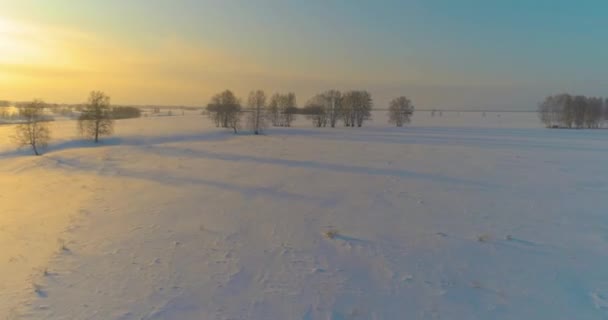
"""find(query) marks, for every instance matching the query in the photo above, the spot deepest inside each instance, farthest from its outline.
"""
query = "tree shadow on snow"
(123, 141)
(109, 170)
(483, 138)
(333, 167)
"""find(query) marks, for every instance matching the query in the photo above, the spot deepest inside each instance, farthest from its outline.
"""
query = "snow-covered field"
(453, 217)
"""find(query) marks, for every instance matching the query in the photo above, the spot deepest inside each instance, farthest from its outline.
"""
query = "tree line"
(325, 109)
(567, 111)
(97, 116)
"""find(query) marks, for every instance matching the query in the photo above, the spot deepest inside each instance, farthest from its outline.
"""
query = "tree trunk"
(96, 131)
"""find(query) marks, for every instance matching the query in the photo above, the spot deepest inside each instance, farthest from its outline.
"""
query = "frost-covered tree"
(400, 111)
(257, 106)
(34, 130)
(224, 109)
(96, 117)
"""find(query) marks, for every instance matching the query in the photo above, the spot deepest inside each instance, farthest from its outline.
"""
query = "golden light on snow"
(53, 62)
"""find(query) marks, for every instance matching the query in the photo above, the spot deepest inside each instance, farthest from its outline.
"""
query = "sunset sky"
(442, 53)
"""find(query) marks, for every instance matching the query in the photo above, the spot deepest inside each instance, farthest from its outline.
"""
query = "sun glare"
(12, 42)
(24, 44)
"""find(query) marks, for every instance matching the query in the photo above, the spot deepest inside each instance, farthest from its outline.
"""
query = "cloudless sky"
(501, 54)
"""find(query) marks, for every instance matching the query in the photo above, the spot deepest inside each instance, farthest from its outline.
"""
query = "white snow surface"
(453, 217)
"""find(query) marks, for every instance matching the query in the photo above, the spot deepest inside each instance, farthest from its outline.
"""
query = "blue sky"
(458, 54)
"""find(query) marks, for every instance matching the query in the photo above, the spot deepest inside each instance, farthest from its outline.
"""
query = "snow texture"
(452, 217)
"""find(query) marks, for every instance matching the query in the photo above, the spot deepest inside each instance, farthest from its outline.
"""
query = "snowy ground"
(454, 217)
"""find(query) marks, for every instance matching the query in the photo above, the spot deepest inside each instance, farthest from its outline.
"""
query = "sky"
(466, 54)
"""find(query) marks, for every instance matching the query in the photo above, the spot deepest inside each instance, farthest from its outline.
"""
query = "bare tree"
(224, 109)
(579, 105)
(282, 109)
(566, 111)
(257, 104)
(550, 111)
(288, 109)
(400, 110)
(605, 119)
(348, 109)
(544, 112)
(356, 107)
(593, 114)
(315, 110)
(332, 103)
(96, 118)
(273, 112)
(34, 130)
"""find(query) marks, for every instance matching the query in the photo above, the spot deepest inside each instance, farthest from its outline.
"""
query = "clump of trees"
(34, 130)
(6, 114)
(257, 116)
(356, 107)
(567, 111)
(125, 112)
(325, 108)
(353, 108)
(96, 118)
(65, 111)
(282, 109)
(400, 111)
(224, 109)
(316, 110)
(316, 113)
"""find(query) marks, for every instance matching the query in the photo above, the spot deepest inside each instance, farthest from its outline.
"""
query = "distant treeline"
(117, 112)
(326, 109)
(125, 112)
(567, 111)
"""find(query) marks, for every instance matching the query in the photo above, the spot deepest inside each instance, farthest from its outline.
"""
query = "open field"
(453, 217)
